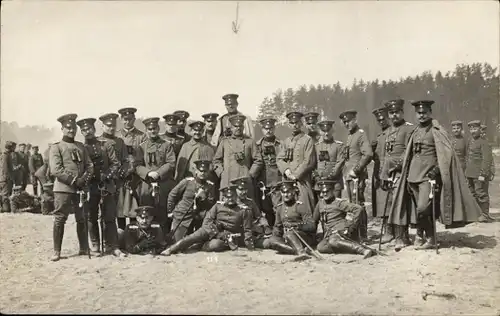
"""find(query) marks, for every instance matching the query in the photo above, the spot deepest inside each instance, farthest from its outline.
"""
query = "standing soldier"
(459, 142)
(189, 200)
(297, 159)
(23, 176)
(6, 176)
(43, 173)
(170, 135)
(127, 195)
(396, 143)
(424, 161)
(156, 169)
(311, 119)
(181, 125)
(210, 124)
(101, 189)
(329, 156)
(478, 169)
(237, 156)
(35, 162)
(72, 168)
(484, 135)
(379, 194)
(268, 173)
(195, 149)
(358, 154)
(223, 128)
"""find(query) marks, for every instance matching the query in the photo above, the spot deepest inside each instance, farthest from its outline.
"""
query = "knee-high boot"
(57, 236)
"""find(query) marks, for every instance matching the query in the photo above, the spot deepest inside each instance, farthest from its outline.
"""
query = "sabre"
(392, 182)
(262, 188)
(432, 198)
(355, 190)
(230, 242)
(314, 252)
(84, 197)
(155, 189)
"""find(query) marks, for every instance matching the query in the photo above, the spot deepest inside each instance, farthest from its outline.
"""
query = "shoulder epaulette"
(408, 123)
(220, 202)
(361, 130)
(210, 182)
(338, 142)
(56, 143)
(298, 202)
(155, 225)
(279, 204)
(181, 136)
(190, 178)
(259, 142)
(132, 226)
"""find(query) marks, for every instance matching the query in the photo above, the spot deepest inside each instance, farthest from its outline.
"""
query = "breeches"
(64, 205)
(479, 190)
(420, 194)
(351, 192)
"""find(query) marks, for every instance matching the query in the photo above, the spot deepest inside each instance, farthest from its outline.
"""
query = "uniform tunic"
(190, 152)
(288, 216)
(478, 163)
(301, 160)
(223, 128)
(157, 155)
(35, 162)
(337, 215)
(425, 156)
(175, 140)
(378, 195)
(6, 180)
(329, 155)
(141, 241)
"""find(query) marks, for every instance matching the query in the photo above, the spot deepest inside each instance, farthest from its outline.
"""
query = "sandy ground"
(465, 275)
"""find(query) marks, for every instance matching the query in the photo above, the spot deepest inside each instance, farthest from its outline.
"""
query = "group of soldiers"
(217, 188)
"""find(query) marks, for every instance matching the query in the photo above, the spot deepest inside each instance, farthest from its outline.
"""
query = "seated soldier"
(293, 219)
(190, 199)
(48, 198)
(261, 230)
(22, 201)
(223, 222)
(143, 237)
(339, 230)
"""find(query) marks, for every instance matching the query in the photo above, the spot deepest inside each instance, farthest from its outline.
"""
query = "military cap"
(380, 113)
(144, 211)
(294, 116)
(326, 125)
(394, 105)
(202, 165)
(35, 146)
(109, 118)
(197, 125)
(460, 123)
(287, 185)
(210, 117)
(476, 123)
(127, 111)
(68, 120)
(9, 144)
(182, 115)
(348, 115)
(230, 96)
(240, 183)
(151, 122)
(237, 120)
(22, 144)
(325, 185)
(268, 122)
(483, 127)
(171, 119)
(86, 122)
(311, 117)
(17, 188)
(422, 104)
(228, 191)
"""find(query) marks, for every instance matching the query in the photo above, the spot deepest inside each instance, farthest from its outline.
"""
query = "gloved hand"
(434, 173)
(80, 183)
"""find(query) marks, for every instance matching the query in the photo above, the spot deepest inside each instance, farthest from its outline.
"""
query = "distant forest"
(467, 93)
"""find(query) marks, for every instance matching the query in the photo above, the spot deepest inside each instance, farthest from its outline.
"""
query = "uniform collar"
(68, 139)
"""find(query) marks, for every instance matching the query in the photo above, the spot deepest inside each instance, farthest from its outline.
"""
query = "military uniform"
(181, 132)
(188, 203)
(237, 156)
(210, 117)
(459, 145)
(157, 155)
(22, 201)
(294, 215)
(102, 190)
(72, 168)
(43, 173)
(35, 162)
(311, 118)
(129, 190)
(357, 154)
(338, 218)
(221, 222)
(478, 164)
(24, 170)
(6, 176)
(143, 239)
(18, 170)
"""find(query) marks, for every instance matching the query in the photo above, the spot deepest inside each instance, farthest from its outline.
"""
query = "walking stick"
(314, 252)
(392, 181)
(432, 197)
(84, 197)
(193, 207)
(104, 192)
(355, 180)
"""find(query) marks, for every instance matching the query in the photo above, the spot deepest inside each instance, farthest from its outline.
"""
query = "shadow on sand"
(466, 240)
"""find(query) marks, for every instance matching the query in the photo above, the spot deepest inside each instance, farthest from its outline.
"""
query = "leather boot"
(402, 238)
(297, 246)
(353, 248)
(363, 225)
(57, 235)
(94, 235)
(182, 244)
(6, 205)
(388, 234)
(82, 238)
(419, 237)
(429, 238)
(281, 247)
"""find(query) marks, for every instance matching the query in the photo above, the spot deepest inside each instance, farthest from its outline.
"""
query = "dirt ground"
(462, 279)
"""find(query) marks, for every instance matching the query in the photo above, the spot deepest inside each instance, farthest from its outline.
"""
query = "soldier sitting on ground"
(340, 222)
(22, 201)
(221, 227)
(143, 237)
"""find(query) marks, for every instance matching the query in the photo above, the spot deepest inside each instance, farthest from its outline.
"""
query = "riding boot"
(110, 236)
(83, 240)
(430, 238)
(57, 236)
(485, 213)
(389, 233)
(419, 238)
(402, 238)
(184, 243)
(363, 225)
(297, 246)
(350, 247)
(94, 235)
(281, 247)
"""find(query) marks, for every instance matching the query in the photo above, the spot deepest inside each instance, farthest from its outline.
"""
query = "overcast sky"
(96, 57)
